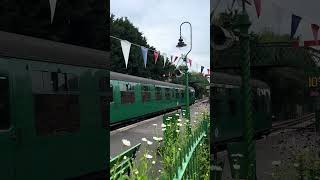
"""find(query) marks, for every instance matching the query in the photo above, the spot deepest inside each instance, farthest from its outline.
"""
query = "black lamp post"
(180, 45)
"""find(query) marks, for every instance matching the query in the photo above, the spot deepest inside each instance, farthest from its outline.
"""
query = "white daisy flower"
(163, 125)
(155, 124)
(148, 156)
(126, 142)
(153, 162)
(144, 139)
(149, 142)
(276, 163)
(124, 157)
(177, 130)
(179, 120)
(163, 129)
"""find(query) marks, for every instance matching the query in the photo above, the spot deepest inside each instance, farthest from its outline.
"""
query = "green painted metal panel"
(229, 125)
(123, 112)
(7, 144)
(61, 155)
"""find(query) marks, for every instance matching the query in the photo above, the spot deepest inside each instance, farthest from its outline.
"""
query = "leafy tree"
(122, 28)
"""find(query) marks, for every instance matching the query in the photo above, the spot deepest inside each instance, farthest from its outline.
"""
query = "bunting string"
(173, 59)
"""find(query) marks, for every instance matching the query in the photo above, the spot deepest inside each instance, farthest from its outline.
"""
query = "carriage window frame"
(167, 93)
(127, 92)
(5, 123)
(56, 102)
(145, 90)
(158, 93)
(177, 93)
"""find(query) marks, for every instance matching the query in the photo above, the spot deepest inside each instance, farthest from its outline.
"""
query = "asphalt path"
(146, 129)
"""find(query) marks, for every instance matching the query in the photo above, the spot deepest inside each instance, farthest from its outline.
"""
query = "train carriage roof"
(36, 49)
(227, 79)
(130, 78)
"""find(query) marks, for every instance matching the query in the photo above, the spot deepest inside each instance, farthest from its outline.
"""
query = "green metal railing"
(186, 163)
(120, 165)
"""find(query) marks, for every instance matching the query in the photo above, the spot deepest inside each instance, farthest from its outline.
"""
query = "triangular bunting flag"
(53, 4)
(164, 59)
(144, 55)
(155, 55)
(175, 59)
(208, 71)
(171, 58)
(294, 24)
(202, 67)
(125, 45)
(257, 4)
(190, 62)
(315, 29)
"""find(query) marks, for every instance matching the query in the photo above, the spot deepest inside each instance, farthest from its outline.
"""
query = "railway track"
(304, 121)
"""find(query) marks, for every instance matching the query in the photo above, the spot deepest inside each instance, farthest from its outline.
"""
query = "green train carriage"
(135, 97)
(227, 108)
(53, 110)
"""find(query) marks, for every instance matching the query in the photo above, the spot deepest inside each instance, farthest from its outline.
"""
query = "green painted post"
(187, 115)
(244, 24)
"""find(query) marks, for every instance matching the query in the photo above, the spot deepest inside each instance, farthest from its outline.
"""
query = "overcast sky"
(276, 15)
(159, 21)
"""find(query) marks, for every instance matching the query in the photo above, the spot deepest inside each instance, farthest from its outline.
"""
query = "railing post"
(244, 24)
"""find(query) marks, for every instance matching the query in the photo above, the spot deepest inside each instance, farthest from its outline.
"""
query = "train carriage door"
(7, 138)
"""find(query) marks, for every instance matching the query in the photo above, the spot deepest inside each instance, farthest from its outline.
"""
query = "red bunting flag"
(257, 4)
(190, 62)
(315, 29)
(208, 71)
(155, 55)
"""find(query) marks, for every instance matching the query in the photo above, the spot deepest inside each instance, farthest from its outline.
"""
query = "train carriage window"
(145, 93)
(127, 93)
(182, 94)
(4, 103)
(177, 93)
(158, 93)
(56, 108)
(167, 93)
(172, 93)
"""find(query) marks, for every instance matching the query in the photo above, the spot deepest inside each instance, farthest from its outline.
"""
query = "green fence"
(120, 165)
(186, 163)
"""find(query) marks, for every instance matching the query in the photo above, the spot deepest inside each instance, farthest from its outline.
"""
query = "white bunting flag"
(164, 58)
(53, 4)
(125, 45)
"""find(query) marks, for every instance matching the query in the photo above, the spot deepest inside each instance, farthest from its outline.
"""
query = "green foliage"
(122, 28)
(80, 22)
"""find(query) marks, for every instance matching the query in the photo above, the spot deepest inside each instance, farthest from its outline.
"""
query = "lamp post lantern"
(179, 45)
